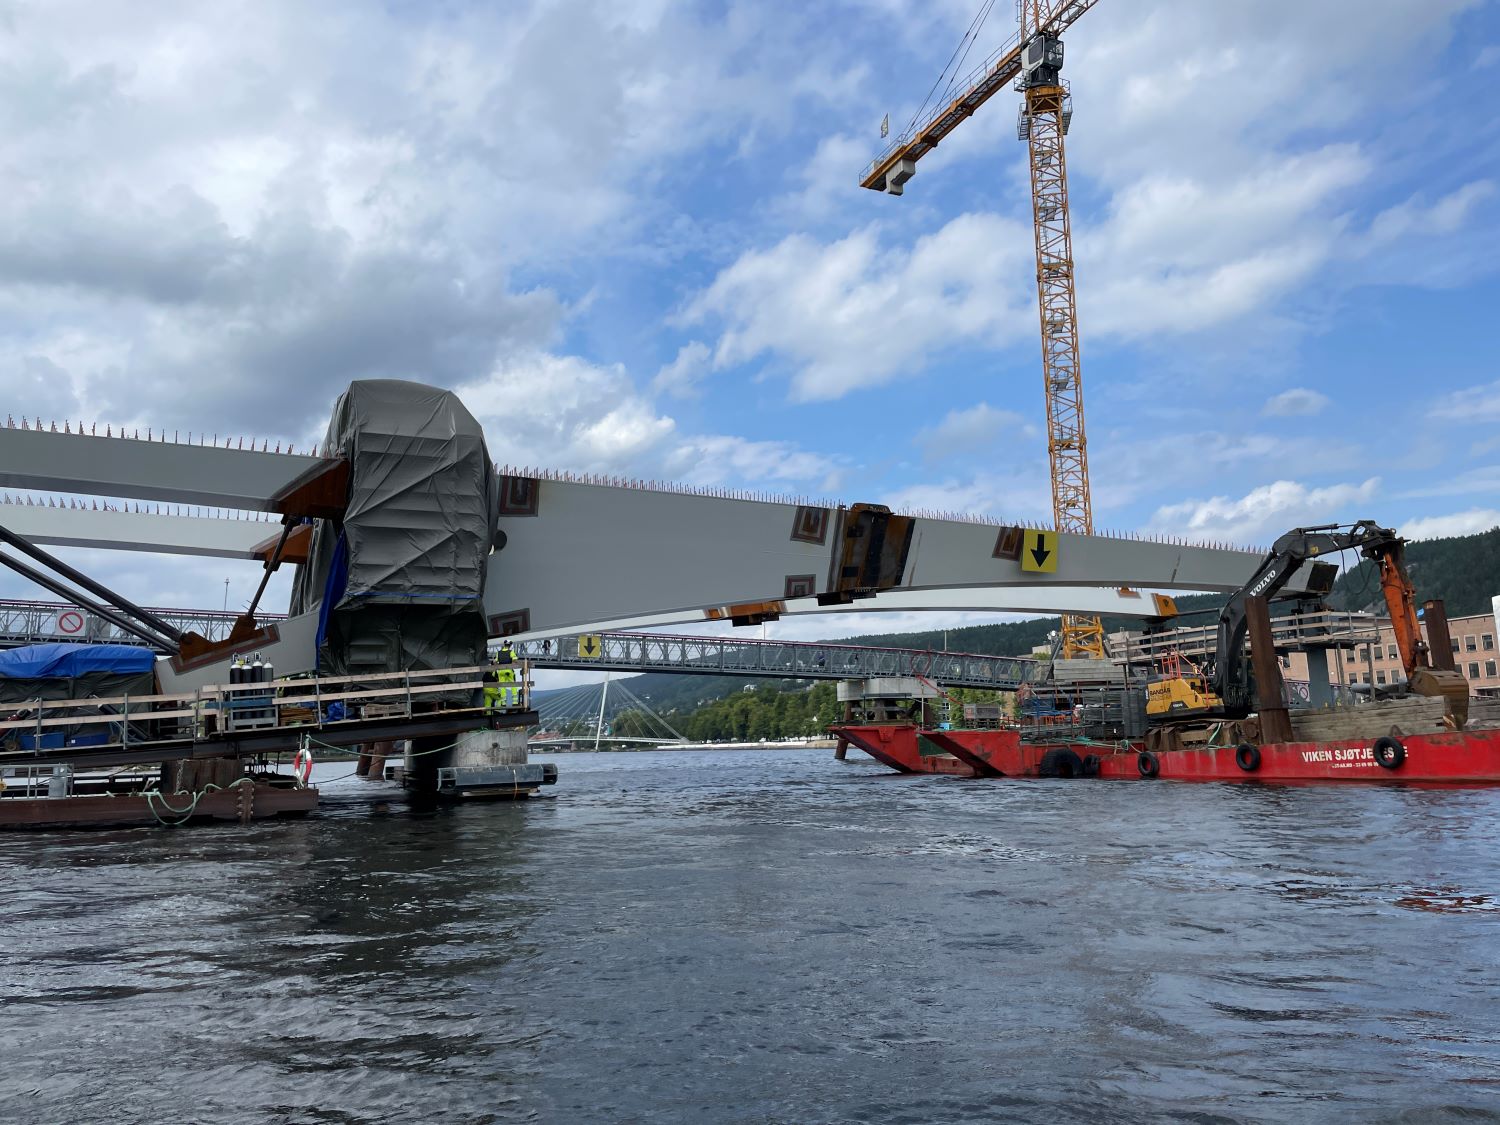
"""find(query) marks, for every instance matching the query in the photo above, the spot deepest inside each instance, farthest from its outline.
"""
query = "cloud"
(1126, 467)
(1207, 220)
(1184, 250)
(1022, 495)
(966, 431)
(681, 376)
(1447, 215)
(827, 182)
(1470, 522)
(1264, 512)
(1480, 479)
(1299, 402)
(854, 313)
(1474, 404)
(720, 459)
(206, 214)
(564, 412)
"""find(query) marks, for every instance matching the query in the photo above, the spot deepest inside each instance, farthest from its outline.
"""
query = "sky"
(630, 235)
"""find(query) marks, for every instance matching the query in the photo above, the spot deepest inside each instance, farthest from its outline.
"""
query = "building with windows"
(1476, 653)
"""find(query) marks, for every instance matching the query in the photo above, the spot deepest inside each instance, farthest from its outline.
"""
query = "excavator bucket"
(1452, 687)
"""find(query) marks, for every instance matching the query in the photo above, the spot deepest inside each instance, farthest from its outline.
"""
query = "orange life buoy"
(302, 766)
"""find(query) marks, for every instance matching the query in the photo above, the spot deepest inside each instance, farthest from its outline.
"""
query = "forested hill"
(1463, 571)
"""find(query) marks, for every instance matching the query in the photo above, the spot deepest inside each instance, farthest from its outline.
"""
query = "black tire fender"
(1091, 765)
(1060, 762)
(1389, 753)
(1247, 757)
(1147, 764)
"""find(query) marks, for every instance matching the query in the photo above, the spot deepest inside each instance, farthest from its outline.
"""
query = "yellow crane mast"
(1033, 61)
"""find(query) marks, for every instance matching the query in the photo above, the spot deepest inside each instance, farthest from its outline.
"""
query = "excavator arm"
(1229, 675)
(1416, 658)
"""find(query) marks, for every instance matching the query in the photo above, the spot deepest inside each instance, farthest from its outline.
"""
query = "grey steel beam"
(1049, 600)
(580, 553)
(586, 553)
(211, 536)
(147, 470)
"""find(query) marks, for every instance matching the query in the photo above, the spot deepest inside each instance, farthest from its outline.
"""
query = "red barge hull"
(905, 749)
(962, 753)
(1466, 758)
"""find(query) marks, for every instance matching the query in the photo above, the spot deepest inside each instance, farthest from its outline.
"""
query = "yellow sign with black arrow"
(1039, 551)
(590, 645)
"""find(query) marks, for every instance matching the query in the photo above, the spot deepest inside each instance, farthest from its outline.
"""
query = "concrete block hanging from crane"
(901, 171)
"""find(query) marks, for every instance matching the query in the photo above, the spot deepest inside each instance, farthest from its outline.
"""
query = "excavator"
(1181, 703)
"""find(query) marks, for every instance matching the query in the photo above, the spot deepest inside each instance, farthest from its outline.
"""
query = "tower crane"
(1032, 60)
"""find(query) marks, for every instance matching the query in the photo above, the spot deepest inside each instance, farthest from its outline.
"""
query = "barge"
(174, 758)
(1457, 758)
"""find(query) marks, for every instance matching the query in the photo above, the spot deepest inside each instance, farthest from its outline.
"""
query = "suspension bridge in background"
(591, 716)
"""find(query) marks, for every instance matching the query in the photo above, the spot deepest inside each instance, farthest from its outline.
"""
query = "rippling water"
(767, 937)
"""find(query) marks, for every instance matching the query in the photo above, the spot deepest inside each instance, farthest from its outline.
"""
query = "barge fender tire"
(1247, 757)
(1060, 762)
(1091, 765)
(1147, 764)
(1389, 753)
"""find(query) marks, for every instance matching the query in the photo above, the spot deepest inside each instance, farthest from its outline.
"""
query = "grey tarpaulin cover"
(403, 573)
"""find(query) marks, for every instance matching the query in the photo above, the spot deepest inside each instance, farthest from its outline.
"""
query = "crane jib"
(1040, 19)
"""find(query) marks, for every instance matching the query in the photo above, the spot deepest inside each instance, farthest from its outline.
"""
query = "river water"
(767, 936)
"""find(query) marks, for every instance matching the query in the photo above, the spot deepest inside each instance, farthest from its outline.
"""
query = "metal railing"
(291, 703)
(725, 656)
(958, 91)
(37, 622)
(1293, 631)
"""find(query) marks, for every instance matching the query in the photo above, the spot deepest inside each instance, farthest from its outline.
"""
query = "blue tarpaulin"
(68, 661)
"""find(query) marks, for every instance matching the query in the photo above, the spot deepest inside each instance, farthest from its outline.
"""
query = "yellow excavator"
(1222, 692)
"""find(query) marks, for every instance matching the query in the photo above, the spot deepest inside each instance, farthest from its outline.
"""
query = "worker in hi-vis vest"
(500, 686)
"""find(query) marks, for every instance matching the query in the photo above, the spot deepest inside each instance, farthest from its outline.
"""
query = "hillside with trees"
(1464, 571)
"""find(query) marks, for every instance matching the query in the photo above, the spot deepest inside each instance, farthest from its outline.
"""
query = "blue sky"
(631, 236)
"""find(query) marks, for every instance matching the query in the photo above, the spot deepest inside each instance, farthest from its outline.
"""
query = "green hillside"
(1463, 571)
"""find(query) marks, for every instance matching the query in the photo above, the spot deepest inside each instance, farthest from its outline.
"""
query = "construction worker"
(505, 691)
(494, 676)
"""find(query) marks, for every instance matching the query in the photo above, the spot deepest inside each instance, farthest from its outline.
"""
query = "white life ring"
(302, 766)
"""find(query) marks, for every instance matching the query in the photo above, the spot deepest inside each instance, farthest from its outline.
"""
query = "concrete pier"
(478, 763)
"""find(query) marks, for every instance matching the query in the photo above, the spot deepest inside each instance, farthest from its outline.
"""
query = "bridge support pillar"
(1319, 689)
(372, 758)
(886, 698)
(477, 763)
